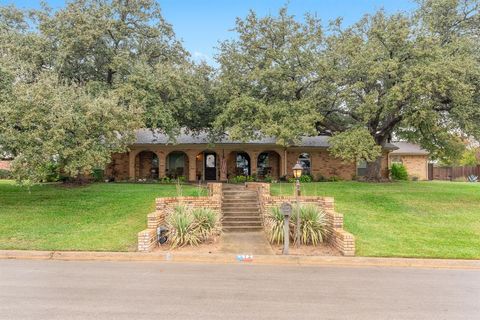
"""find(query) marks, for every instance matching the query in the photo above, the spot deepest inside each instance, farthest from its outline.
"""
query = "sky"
(201, 24)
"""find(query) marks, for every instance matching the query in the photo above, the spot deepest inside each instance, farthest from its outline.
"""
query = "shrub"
(53, 174)
(306, 178)
(335, 179)
(312, 224)
(242, 179)
(208, 222)
(97, 175)
(182, 228)
(398, 172)
(165, 180)
(320, 178)
(268, 179)
(274, 222)
(5, 174)
(191, 227)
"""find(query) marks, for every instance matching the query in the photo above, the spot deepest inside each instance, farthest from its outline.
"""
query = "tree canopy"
(76, 83)
(87, 75)
(411, 76)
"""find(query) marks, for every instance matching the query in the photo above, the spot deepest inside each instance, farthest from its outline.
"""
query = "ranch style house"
(195, 158)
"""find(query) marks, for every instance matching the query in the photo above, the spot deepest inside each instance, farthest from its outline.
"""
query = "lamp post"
(286, 209)
(297, 173)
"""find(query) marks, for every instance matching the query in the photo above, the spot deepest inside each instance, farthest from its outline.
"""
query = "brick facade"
(337, 236)
(416, 165)
(137, 164)
(5, 164)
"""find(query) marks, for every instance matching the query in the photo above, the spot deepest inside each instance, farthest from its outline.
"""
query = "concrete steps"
(241, 209)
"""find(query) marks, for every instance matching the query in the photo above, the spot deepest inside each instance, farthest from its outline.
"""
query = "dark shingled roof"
(146, 136)
(409, 148)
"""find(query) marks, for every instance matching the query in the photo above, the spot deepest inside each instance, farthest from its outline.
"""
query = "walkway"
(250, 243)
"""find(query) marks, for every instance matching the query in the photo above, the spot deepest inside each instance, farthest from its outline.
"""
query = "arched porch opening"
(146, 165)
(238, 164)
(268, 165)
(176, 165)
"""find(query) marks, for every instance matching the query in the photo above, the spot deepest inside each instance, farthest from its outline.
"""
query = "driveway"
(159, 290)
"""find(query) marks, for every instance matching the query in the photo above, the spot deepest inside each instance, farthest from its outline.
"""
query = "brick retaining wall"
(337, 236)
(147, 239)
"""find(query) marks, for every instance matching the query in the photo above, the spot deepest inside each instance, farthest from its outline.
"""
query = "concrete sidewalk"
(246, 243)
(233, 259)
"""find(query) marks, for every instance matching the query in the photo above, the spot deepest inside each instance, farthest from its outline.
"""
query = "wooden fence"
(451, 173)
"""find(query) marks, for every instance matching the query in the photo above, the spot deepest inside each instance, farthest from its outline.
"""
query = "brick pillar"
(223, 167)
(131, 165)
(192, 166)
(283, 163)
(253, 162)
(162, 163)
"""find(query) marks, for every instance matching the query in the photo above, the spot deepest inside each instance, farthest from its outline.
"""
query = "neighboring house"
(413, 157)
(152, 156)
(5, 164)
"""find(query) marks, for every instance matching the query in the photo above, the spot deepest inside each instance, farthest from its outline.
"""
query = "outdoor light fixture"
(297, 173)
(297, 170)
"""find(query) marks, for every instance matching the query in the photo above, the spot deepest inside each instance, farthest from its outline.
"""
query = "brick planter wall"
(337, 236)
(147, 239)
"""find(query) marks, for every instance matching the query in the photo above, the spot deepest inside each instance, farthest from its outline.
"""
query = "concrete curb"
(326, 261)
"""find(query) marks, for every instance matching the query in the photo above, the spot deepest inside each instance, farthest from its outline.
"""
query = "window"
(304, 159)
(361, 168)
(396, 159)
(243, 164)
(210, 161)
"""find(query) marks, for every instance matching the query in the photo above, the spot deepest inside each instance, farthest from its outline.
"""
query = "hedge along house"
(153, 156)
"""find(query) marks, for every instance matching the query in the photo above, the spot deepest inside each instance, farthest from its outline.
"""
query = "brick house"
(152, 156)
(5, 164)
(413, 157)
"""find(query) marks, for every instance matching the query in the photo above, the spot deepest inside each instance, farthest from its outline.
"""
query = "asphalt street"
(159, 290)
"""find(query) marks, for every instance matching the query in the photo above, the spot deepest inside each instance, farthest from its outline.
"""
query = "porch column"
(223, 166)
(162, 161)
(131, 165)
(253, 162)
(192, 166)
(283, 162)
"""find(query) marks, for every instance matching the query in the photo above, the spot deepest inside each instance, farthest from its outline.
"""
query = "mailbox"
(286, 209)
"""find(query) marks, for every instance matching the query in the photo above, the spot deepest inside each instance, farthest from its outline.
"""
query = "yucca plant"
(312, 224)
(274, 222)
(208, 222)
(182, 228)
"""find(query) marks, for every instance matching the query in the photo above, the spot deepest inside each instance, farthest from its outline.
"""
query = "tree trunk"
(374, 170)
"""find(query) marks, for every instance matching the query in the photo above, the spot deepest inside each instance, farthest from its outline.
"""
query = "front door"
(210, 166)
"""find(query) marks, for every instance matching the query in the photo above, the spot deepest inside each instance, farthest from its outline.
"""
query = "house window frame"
(361, 168)
(396, 159)
(304, 158)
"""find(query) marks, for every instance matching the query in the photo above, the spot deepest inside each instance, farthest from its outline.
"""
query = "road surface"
(156, 290)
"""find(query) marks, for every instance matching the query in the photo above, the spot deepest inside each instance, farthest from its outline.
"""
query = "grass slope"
(99, 217)
(406, 219)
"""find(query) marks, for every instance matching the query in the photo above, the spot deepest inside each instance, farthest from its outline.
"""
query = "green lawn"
(408, 219)
(100, 217)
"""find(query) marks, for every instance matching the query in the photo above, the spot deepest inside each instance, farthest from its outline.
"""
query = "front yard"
(406, 219)
(97, 217)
